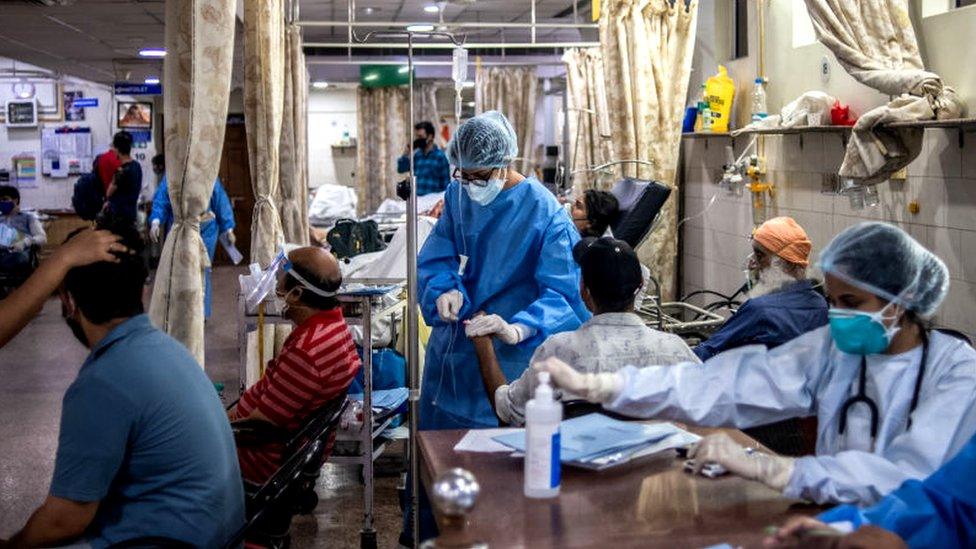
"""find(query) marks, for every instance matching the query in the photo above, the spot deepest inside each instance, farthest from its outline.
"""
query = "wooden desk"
(645, 504)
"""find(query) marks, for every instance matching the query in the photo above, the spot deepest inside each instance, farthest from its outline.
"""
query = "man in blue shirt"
(145, 449)
(430, 165)
(782, 303)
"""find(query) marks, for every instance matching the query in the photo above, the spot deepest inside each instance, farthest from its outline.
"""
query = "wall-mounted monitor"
(134, 115)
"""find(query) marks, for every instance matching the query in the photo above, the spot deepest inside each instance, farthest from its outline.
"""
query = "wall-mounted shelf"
(704, 135)
(796, 130)
(963, 124)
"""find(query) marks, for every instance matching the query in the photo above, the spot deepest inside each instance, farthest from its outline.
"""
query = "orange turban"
(786, 238)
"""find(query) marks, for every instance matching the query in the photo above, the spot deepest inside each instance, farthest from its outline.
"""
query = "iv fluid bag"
(459, 70)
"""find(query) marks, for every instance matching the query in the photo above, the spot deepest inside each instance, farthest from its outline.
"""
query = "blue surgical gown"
(939, 511)
(520, 267)
(210, 230)
(770, 320)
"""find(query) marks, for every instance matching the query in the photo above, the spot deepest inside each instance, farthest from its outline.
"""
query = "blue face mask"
(6, 207)
(860, 333)
(485, 194)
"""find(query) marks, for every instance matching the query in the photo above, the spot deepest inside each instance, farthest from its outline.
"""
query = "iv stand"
(413, 351)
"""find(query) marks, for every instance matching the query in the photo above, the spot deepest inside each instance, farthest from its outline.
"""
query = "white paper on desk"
(480, 440)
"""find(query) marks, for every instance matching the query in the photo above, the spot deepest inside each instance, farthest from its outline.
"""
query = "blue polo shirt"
(432, 170)
(144, 433)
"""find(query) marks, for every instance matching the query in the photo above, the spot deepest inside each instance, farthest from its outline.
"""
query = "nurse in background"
(219, 220)
(892, 398)
(504, 247)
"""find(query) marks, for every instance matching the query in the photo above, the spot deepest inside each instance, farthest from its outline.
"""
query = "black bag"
(350, 238)
(89, 196)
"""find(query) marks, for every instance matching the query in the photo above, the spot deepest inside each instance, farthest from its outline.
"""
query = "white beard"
(771, 280)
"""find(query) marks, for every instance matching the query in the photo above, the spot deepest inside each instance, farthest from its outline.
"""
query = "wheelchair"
(290, 491)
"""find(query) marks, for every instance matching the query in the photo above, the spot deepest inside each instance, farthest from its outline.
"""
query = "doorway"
(235, 173)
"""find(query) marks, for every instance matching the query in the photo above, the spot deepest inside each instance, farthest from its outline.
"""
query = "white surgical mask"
(486, 194)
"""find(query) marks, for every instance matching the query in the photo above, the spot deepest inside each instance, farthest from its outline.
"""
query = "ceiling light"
(403, 70)
(152, 80)
(420, 28)
(468, 84)
(431, 9)
(152, 52)
(369, 11)
(320, 84)
(470, 103)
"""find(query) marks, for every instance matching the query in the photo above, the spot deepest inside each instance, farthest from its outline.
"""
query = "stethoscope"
(862, 397)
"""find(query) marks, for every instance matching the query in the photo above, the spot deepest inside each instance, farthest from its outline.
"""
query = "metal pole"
(533, 21)
(412, 323)
(454, 25)
(448, 45)
(366, 61)
(367, 536)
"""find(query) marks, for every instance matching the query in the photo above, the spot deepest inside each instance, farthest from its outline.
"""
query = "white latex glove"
(773, 471)
(449, 305)
(600, 388)
(154, 230)
(231, 239)
(494, 325)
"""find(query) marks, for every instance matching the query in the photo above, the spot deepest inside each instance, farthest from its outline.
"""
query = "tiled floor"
(39, 364)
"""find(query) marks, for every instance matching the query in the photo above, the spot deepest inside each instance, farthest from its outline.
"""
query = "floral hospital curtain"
(647, 49)
(293, 150)
(199, 39)
(381, 120)
(511, 91)
(589, 118)
(264, 88)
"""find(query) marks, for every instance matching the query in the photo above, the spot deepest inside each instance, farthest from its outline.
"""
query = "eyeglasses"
(478, 181)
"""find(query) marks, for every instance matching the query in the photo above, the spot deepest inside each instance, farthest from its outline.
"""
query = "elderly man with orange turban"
(783, 303)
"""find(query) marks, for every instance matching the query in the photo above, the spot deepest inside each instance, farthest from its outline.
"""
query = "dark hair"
(426, 126)
(104, 291)
(6, 191)
(602, 210)
(122, 142)
(313, 299)
(617, 305)
(159, 160)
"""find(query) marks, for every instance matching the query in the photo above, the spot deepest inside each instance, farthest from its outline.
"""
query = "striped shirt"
(316, 363)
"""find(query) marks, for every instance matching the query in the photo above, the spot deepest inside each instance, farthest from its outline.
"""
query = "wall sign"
(130, 88)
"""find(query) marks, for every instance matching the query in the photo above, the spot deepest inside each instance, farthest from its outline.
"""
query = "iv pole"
(413, 351)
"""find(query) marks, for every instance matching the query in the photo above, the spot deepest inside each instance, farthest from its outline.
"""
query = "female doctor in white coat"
(891, 396)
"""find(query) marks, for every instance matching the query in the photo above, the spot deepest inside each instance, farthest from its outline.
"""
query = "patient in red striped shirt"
(317, 362)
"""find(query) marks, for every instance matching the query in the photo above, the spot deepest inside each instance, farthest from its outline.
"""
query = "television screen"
(134, 115)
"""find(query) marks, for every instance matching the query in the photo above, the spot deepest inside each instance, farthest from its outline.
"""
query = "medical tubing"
(924, 334)
(699, 214)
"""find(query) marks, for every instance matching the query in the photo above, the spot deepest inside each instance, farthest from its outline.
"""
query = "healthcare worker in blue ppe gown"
(218, 220)
(502, 247)
(892, 398)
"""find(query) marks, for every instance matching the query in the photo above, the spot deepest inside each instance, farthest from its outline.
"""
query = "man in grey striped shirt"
(612, 338)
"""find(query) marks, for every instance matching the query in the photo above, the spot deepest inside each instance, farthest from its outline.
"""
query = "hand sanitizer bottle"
(542, 417)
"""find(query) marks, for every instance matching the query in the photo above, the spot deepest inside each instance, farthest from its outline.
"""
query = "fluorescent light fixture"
(320, 84)
(420, 28)
(152, 80)
(431, 9)
(371, 76)
(468, 84)
(369, 11)
(403, 70)
(152, 52)
(470, 103)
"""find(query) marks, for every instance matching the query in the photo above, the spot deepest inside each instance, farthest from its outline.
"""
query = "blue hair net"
(886, 261)
(485, 141)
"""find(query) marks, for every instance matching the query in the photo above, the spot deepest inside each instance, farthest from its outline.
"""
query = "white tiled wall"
(942, 180)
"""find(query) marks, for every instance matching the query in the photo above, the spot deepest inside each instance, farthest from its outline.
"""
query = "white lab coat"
(752, 386)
